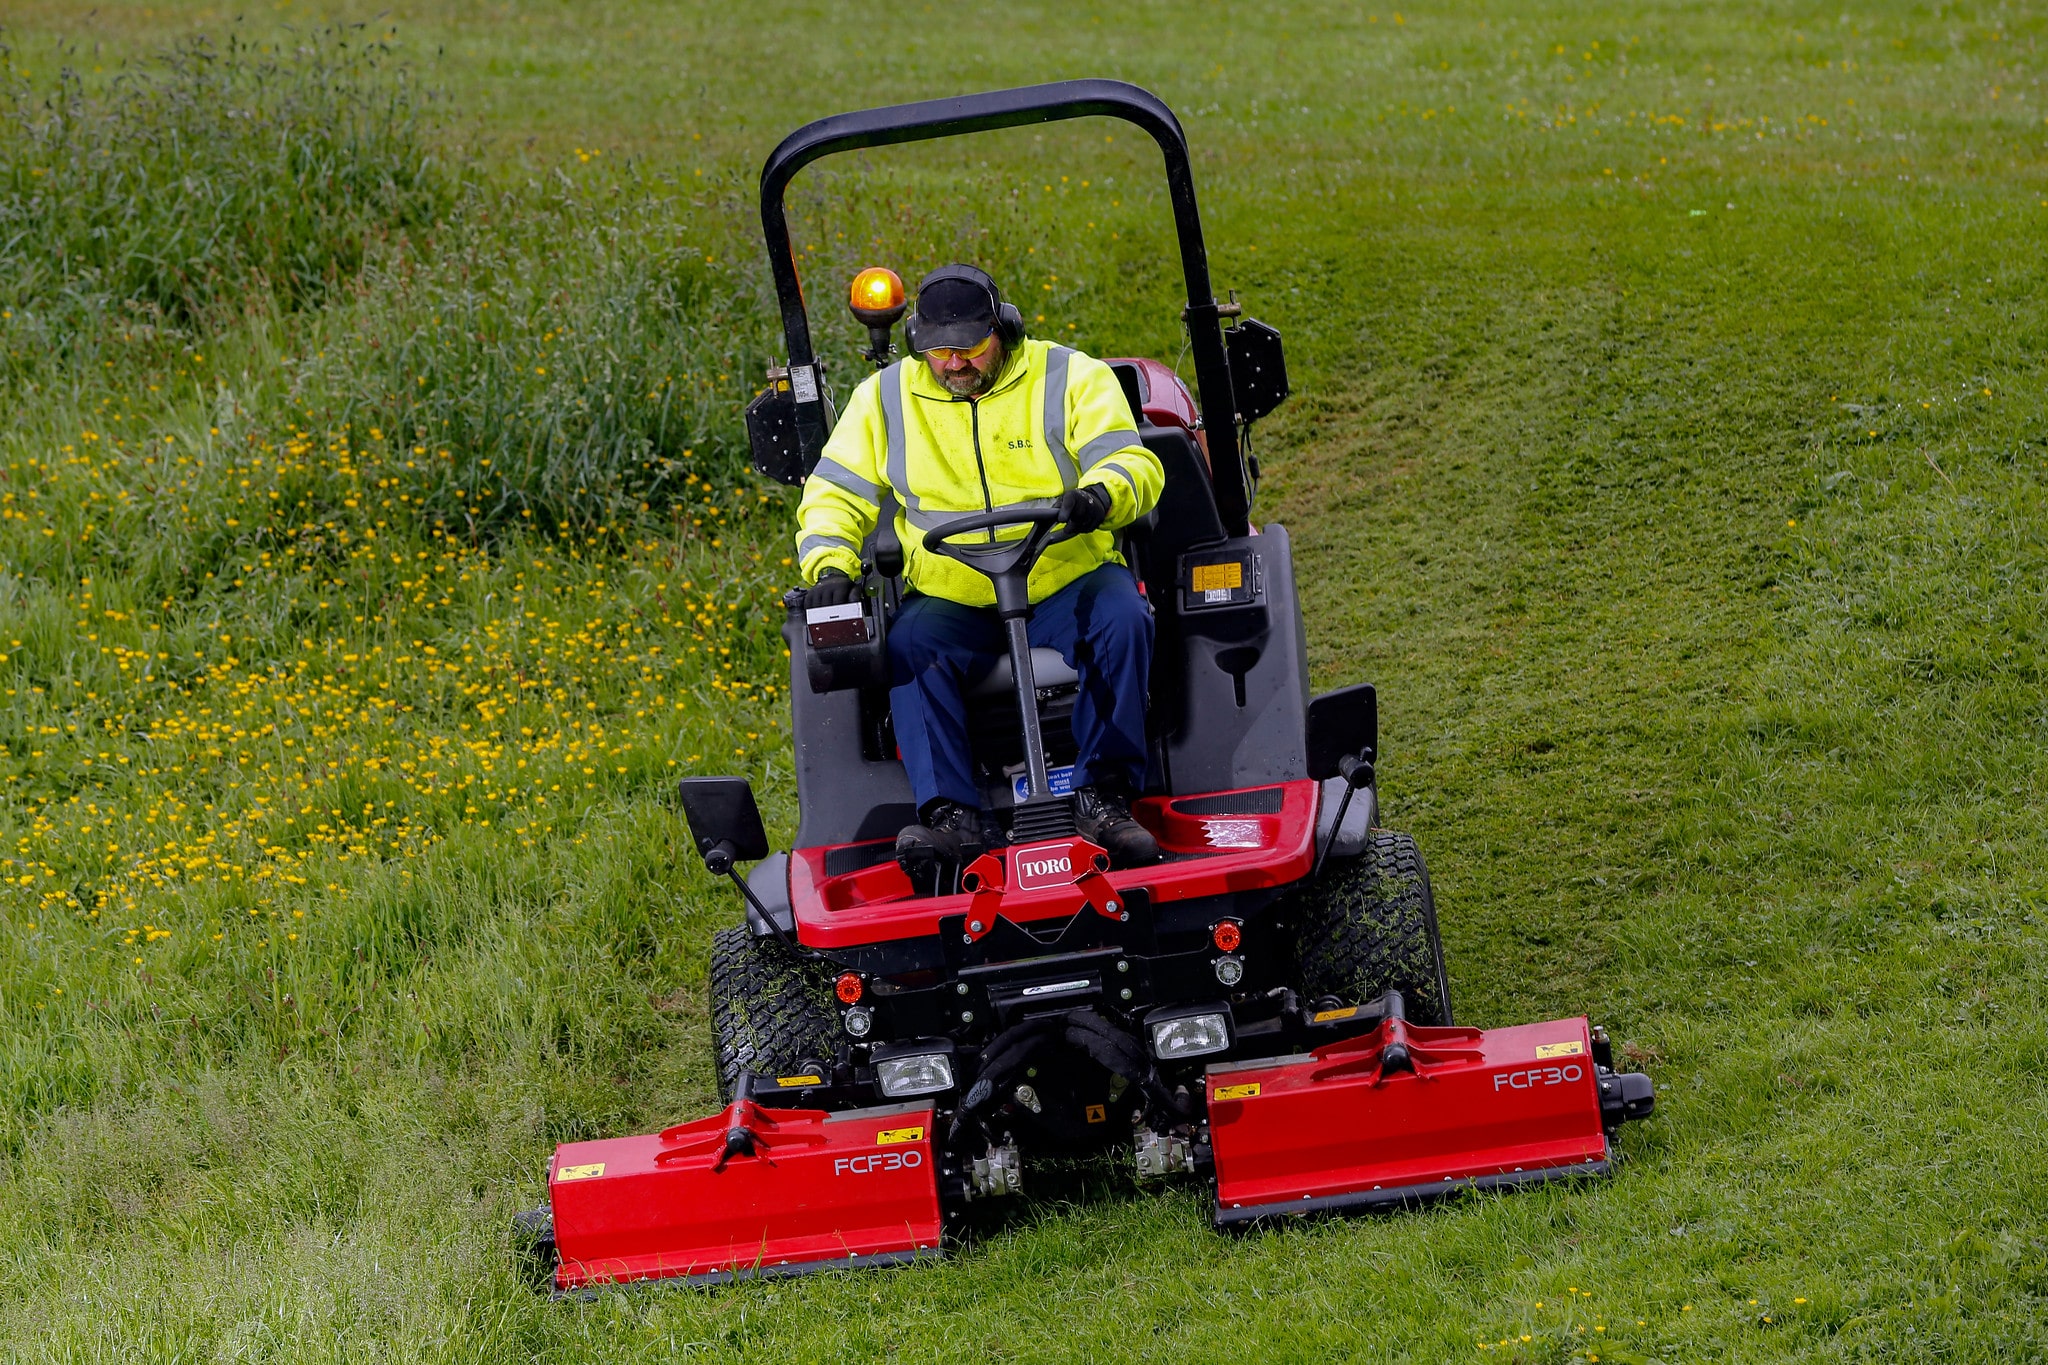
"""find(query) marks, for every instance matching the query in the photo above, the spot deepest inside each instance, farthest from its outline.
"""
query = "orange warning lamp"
(876, 301)
(877, 296)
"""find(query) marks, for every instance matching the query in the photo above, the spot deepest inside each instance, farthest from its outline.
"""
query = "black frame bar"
(1025, 105)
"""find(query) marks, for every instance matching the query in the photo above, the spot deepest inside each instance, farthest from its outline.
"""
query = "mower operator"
(990, 419)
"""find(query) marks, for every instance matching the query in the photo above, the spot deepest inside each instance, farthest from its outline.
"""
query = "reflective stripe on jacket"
(1056, 419)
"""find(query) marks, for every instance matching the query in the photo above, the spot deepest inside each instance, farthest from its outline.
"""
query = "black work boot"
(1104, 819)
(948, 833)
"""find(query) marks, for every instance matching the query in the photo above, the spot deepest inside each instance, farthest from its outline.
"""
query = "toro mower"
(1264, 1009)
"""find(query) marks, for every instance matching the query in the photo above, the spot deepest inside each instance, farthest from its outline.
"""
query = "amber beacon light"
(876, 301)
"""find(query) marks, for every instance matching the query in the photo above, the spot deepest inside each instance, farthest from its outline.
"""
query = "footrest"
(1045, 817)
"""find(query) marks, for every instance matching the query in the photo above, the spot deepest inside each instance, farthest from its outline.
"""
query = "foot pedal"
(1046, 817)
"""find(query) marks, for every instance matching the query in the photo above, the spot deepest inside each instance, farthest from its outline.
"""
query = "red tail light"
(848, 988)
(1226, 936)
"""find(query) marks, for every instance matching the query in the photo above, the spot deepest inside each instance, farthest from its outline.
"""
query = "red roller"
(751, 1191)
(1402, 1114)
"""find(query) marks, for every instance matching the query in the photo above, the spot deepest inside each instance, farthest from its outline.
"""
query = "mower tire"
(1370, 926)
(768, 1012)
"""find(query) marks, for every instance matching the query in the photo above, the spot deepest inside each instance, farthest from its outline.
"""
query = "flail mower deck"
(1265, 1008)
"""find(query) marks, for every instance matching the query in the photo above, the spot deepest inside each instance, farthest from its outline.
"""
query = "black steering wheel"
(1007, 563)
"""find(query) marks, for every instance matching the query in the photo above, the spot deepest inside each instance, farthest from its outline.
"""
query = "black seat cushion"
(1048, 669)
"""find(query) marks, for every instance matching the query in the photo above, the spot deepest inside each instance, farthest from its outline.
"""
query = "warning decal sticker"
(1225, 576)
(1546, 1051)
(1236, 1092)
(799, 1080)
(1325, 1016)
(595, 1168)
(889, 1137)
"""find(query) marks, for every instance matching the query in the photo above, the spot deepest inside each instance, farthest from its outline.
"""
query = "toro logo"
(1042, 866)
(1537, 1076)
(878, 1163)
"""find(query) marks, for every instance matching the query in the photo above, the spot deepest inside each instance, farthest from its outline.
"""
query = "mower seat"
(1048, 669)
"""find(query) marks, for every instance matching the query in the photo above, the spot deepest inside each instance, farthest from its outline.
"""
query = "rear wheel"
(1370, 926)
(768, 1011)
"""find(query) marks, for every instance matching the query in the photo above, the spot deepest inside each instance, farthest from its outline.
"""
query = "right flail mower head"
(1264, 1008)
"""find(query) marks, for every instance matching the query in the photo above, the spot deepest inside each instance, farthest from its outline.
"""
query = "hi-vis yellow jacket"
(1056, 419)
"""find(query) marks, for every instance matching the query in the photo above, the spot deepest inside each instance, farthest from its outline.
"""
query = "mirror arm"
(1356, 770)
(720, 860)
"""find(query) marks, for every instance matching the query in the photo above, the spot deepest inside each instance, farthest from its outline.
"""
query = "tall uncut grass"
(566, 355)
(188, 184)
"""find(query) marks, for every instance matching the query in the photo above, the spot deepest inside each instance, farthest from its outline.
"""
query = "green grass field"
(1668, 445)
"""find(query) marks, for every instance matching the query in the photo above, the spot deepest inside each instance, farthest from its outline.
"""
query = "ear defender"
(1009, 323)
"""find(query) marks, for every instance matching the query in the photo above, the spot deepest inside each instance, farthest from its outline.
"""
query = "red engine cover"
(816, 1190)
(1336, 1129)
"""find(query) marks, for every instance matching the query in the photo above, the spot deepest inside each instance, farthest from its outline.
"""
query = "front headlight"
(1190, 1035)
(926, 1073)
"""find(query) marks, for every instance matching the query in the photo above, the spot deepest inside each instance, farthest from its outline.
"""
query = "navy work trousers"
(938, 648)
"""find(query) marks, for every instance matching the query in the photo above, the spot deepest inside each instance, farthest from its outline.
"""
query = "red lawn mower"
(1264, 1009)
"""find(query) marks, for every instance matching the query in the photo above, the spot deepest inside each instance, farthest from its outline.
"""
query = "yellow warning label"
(889, 1137)
(595, 1168)
(799, 1080)
(1235, 1092)
(1548, 1050)
(1325, 1016)
(1096, 1113)
(1209, 577)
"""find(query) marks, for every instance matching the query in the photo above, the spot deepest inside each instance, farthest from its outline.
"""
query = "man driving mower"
(990, 421)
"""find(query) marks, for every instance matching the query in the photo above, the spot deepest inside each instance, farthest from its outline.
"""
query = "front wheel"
(1370, 926)
(768, 1013)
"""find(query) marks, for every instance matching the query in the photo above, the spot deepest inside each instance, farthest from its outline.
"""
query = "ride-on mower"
(1264, 1008)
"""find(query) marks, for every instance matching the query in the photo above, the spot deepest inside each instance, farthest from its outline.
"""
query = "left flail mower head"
(1264, 1009)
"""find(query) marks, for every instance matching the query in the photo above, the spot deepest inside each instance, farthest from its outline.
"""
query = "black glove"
(1084, 509)
(833, 589)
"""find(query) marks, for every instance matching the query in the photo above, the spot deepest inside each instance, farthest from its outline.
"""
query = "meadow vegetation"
(1669, 445)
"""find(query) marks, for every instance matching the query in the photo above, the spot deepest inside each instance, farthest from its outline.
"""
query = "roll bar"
(1029, 104)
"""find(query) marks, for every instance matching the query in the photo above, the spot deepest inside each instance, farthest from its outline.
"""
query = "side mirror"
(1344, 724)
(724, 821)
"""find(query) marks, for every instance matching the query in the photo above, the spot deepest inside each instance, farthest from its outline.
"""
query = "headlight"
(924, 1074)
(1190, 1035)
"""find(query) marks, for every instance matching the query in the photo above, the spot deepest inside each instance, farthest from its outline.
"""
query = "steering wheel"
(1007, 563)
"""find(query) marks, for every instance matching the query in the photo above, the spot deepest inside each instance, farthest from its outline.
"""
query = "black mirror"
(1258, 369)
(772, 435)
(724, 820)
(1342, 724)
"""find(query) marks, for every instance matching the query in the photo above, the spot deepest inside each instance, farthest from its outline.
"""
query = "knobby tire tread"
(769, 1011)
(1371, 925)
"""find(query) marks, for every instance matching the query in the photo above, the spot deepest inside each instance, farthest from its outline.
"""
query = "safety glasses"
(945, 354)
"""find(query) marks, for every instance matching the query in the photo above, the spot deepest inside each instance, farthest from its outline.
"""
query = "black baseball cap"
(956, 307)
